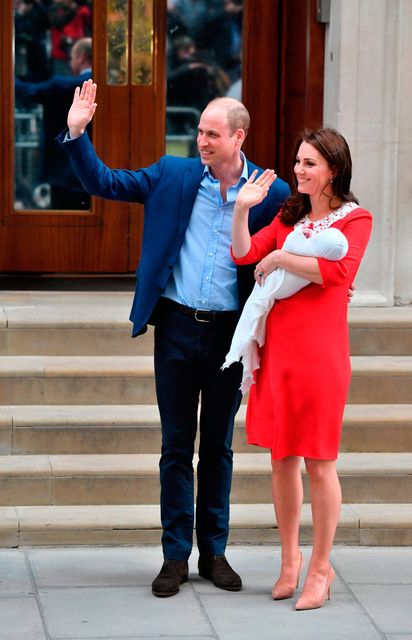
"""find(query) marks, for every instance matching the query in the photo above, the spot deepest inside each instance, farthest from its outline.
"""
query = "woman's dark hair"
(334, 148)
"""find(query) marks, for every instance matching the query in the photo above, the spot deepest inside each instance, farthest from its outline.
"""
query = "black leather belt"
(200, 315)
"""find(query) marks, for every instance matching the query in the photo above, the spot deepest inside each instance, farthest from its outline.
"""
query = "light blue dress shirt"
(204, 276)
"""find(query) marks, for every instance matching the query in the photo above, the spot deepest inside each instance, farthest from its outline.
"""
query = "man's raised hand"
(83, 107)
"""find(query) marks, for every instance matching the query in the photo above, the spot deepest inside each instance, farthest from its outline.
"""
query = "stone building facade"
(368, 97)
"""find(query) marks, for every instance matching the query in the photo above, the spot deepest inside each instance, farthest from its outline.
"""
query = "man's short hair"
(237, 115)
(83, 47)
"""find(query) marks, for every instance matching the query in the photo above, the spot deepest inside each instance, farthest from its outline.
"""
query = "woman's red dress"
(296, 406)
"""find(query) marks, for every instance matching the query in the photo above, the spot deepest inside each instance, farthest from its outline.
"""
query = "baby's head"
(330, 244)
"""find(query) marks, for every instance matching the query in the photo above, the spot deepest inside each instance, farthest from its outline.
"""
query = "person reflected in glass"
(221, 35)
(192, 80)
(55, 95)
(70, 20)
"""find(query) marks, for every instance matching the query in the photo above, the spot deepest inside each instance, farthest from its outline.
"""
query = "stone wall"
(368, 97)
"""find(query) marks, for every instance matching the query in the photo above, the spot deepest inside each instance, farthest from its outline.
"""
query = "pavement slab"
(247, 616)
(93, 612)
(15, 577)
(21, 619)
(103, 593)
(388, 604)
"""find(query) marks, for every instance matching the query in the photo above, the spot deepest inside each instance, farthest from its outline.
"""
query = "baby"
(250, 332)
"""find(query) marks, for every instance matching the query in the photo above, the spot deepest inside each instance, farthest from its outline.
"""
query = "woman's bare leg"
(287, 492)
(326, 500)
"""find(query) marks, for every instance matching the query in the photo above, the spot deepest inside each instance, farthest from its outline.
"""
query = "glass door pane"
(204, 61)
(53, 55)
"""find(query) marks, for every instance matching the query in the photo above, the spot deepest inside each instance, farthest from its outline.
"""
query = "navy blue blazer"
(168, 190)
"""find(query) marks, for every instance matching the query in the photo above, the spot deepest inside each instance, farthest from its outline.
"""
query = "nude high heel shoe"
(316, 600)
(284, 592)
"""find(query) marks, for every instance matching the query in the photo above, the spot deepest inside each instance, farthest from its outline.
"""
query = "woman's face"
(312, 171)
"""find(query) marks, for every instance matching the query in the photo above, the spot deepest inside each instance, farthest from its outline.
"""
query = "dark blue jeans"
(188, 359)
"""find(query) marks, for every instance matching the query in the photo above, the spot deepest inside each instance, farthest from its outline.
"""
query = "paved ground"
(104, 593)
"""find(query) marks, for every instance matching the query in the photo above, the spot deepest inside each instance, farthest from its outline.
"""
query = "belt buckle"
(199, 319)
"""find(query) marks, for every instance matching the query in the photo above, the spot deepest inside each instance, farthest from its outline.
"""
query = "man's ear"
(240, 136)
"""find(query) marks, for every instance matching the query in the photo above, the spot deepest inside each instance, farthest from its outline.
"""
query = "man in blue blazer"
(189, 288)
(56, 95)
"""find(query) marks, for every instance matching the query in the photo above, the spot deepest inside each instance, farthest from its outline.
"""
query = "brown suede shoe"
(218, 570)
(172, 574)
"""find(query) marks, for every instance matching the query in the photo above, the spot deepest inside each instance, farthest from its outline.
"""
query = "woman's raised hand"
(255, 189)
(83, 107)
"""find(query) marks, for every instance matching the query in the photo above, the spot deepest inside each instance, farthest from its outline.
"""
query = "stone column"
(368, 98)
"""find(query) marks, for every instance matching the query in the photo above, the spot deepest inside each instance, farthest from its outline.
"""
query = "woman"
(296, 405)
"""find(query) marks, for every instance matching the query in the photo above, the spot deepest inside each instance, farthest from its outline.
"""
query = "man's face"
(76, 61)
(216, 145)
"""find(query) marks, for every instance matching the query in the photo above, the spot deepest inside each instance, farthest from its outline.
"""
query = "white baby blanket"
(250, 332)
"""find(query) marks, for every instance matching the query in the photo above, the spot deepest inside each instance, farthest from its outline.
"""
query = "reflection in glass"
(142, 39)
(53, 55)
(204, 53)
(117, 38)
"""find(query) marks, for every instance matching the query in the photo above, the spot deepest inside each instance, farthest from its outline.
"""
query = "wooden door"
(106, 237)
(282, 79)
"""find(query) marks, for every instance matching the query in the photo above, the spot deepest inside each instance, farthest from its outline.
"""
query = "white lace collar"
(324, 223)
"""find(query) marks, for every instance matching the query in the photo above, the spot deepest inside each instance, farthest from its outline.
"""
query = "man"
(70, 20)
(189, 288)
(56, 95)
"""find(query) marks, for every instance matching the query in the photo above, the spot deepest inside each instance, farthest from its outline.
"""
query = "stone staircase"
(80, 434)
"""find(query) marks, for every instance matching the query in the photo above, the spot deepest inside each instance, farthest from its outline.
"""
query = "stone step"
(53, 380)
(96, 323)
(381, 380)
(69, 323)
(82, 429)
(134, 478)
(377, 428)
(359, 524)
(380, 330)
(63, 337)
(364, 477)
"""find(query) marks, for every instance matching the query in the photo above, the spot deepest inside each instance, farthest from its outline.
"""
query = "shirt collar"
(244, 174)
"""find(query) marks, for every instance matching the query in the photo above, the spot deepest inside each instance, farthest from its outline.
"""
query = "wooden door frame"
(280, 100)
(301, 90)
(147, 112)
(260, 90)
